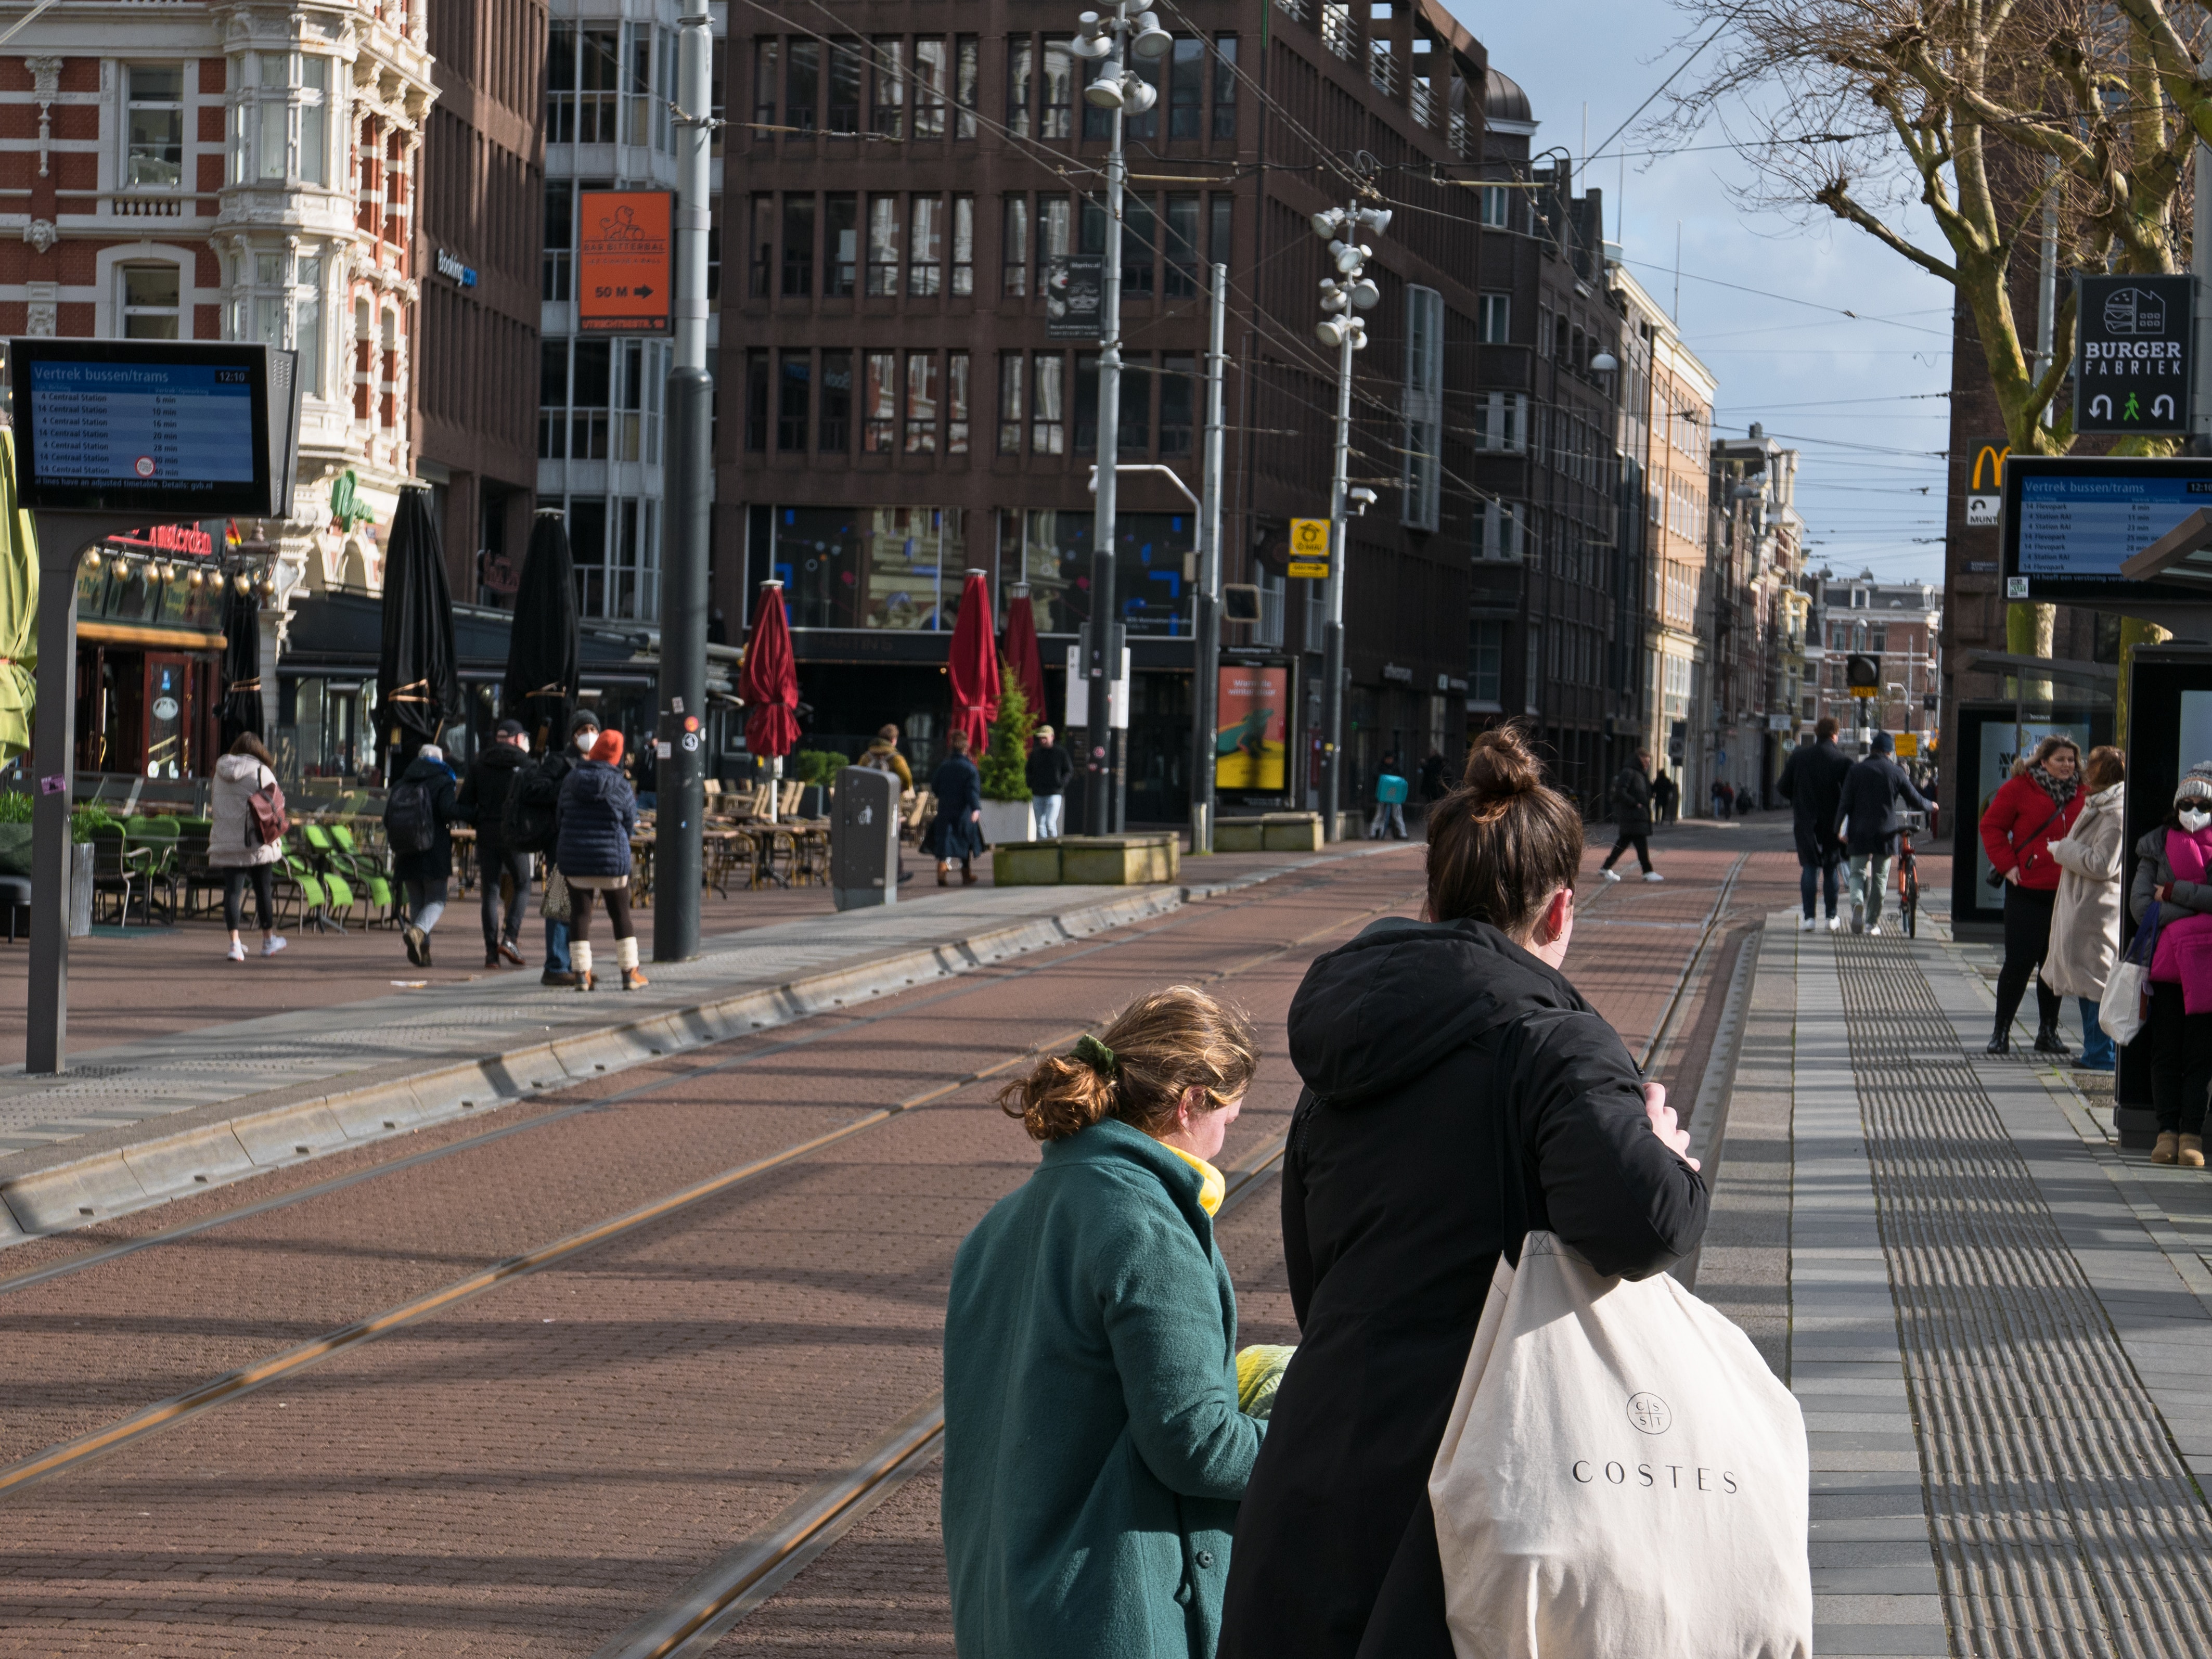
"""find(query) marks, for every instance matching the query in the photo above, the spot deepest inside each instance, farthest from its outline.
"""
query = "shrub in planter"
(1006, 762)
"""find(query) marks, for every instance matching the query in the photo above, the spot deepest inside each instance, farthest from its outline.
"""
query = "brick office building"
(184, 172)
(893, 410)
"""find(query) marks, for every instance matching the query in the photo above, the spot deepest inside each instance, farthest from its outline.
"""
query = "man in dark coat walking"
(418, 819)
(1812, 783)
(503, 872)
(1631, 812)
(1870, 821)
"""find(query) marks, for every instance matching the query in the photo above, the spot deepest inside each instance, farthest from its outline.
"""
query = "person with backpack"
(239, 842)
(418, 817)
(1390, 797)
(883, 756)
(598, 815)
(503, 872)
(528, 823)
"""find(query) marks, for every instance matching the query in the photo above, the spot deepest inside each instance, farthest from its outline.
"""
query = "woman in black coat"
(1405, 1177)
(957, 831)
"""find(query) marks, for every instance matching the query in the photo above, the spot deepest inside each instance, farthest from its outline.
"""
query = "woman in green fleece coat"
(1094, 1452)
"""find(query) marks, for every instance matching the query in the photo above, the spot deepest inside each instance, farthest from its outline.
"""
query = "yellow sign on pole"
(1309, 548)
(1908, 744)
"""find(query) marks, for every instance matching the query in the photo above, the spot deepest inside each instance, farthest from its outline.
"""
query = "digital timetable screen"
(175, 427)
(138, 426)
(2070, 522)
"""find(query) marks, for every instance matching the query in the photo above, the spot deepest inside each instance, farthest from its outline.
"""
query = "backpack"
(526, 817)
(878, 759)
(411, 822)
(264, 815)
(1390, 789)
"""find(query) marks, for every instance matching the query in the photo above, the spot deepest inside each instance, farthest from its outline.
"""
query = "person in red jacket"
(2035, 807)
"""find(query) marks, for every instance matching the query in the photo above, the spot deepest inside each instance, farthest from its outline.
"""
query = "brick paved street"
(534, 1469)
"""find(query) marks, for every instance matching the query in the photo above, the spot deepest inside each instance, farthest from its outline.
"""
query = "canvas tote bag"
(1621, 1477)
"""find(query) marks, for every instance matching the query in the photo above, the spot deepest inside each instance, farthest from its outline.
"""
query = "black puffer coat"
(1414, 1039)
(598, 811)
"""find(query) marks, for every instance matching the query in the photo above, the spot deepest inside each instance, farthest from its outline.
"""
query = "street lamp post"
(1110, 36)
(1348, 290)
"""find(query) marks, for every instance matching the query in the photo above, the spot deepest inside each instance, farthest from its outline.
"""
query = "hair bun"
(1500, 765)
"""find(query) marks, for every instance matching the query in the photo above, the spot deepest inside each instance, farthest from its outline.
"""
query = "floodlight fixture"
(1106, 91)
(1151, 40)
(1327, 223)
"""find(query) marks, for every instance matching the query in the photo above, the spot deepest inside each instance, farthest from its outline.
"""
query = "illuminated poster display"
(1250, 738)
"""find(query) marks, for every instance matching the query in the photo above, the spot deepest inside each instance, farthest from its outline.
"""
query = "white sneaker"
(1805, 924)
(1610, 875)
(1874, 928)
(1653, 875)
(272, 945)
(1835, 924)
(237, 952)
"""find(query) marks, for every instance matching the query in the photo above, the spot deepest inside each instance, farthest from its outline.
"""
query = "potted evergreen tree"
(1007, 816)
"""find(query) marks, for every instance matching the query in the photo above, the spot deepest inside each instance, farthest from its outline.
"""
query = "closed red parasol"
(1020, 649)
(974, 665)
(769, 681)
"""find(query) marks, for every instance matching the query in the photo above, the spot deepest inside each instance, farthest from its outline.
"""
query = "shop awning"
(340, 633)
(147, 638)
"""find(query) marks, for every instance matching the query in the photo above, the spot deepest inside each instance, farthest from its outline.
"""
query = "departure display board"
(2070, 522)
(181, 428)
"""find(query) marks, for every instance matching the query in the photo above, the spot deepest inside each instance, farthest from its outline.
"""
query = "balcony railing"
(1337, 33)
(1383, 67)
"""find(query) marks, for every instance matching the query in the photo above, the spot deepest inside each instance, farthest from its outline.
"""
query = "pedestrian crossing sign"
(1309, 548)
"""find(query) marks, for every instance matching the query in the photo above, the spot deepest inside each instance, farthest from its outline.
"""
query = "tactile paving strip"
(2066, 1522)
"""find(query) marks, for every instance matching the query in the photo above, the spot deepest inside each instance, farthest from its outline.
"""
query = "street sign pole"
(1206, 640)
(680, 769)
(1332, 631)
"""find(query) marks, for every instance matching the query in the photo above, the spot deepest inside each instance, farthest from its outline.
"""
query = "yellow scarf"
(1210, 1194)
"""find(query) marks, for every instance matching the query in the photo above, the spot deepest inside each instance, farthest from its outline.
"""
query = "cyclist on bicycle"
(1870, 822)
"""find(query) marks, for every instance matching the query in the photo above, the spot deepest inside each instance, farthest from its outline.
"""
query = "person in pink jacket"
(2174, 871)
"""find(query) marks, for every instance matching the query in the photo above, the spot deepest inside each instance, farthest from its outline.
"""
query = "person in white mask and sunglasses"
(2174, 869)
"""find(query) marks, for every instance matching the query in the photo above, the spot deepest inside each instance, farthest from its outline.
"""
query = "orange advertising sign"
(625, 261)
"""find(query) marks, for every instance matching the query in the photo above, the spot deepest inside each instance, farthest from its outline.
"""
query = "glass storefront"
(1051, 552)
(881, 567)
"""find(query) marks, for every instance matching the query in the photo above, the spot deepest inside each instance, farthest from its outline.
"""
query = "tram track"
(234, 1384)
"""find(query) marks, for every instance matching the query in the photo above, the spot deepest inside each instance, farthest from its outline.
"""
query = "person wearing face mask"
(2032, 808)
(553, 769)
(2171, 873)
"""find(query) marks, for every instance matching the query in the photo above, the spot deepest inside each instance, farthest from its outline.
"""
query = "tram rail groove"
(231, 1385)
(712, 1604)
(1663, 1028)
(966, 987)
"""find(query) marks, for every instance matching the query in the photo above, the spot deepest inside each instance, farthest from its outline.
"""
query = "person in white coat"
(2085, 920)
(234, 844)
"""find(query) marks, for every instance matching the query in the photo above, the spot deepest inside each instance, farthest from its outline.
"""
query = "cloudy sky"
(1861, 397)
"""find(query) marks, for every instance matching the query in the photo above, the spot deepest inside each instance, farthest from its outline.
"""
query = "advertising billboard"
(625, 261)
(1251, 743)
(2131, 358)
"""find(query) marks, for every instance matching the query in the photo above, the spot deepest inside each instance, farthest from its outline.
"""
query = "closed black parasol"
(241, 665)
(541, 653)
(418, 687)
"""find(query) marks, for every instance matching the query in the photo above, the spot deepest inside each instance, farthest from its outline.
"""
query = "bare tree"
(2007, 119)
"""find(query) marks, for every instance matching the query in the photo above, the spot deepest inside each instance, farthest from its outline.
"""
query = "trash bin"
(863, 839)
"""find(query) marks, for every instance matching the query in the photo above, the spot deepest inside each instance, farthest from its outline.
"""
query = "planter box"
(1271, 832)
(1240, 834)
(1119, 860)
(1026, 864)
(1008, 820)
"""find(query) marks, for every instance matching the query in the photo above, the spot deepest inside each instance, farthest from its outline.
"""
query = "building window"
(1181, 282)
(1177, 386)
(1499, 530)
(152, 301)
(1014, 247)
(1055, 218)
(1048, 405)
(844, 121)
(155, 153)
(1139, 243)
(883, 244)
(1497, 205)
(836, 436)
(955, 403)
(1058, 120)
(967, 69)
(1086, 403)
(764, 68)
(887, 113)
(1494, 319)
(1222, 208)
(1501, 422)
(1021, 72)
(1187, 89)
(592, 397)
(755, 401)
(880, 433)
(1225, 87)
(307, 325)
(929, 87)
(841, 244)
(922, 402)
(795, 396)
(557, 263)
(802, 85)
(1422, 478)
(553, 400)
(1486, 662)
(964, 245)
(1010, 402)
(1135, 436)
(764, 245)
(925, 276)
(797, 246)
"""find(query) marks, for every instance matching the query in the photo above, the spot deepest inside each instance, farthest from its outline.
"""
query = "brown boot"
(633, 980)
(2168, 1150)
(2192, 1151)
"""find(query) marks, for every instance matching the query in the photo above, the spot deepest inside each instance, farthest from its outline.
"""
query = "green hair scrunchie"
(1095, 1055)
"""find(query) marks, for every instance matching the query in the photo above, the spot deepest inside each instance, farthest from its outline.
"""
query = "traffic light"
(1862, 674)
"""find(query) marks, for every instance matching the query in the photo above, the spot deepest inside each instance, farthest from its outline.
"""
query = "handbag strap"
(2038, 831)
(1512, 1187)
